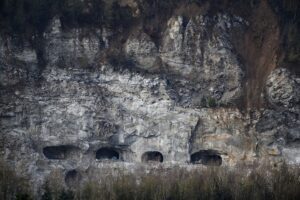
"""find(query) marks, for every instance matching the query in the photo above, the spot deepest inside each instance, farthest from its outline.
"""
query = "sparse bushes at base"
(167, 184)
(213, 183)
(13, 187)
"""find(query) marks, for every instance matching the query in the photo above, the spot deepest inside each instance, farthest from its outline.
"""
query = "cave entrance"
(72, 178)
(152, 156)
(107, 154)
(61, 152)
(207, 157)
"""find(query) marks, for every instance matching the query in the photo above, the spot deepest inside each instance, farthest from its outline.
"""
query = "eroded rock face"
(199, 51)
(283, 88)
(74, 46)
(84, 117)
(279, 127)
(200, 48)
(17, 63)
(142, 50)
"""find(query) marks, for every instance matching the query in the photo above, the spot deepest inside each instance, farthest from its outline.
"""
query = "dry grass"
(175, 184)
(213, 183)
(12, 186)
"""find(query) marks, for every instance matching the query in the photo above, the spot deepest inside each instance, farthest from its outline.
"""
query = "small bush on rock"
(211, 102)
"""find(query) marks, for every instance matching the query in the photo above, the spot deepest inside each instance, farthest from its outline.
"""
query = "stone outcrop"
(72, 47)
(82, 116)
(200, 49)
(283, 89)
(17, 63)
(142, 50)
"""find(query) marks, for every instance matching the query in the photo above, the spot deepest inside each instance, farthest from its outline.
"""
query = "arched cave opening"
(72, 178)
(207, 157)
(152, 156)
(107, 154)
(60, 152)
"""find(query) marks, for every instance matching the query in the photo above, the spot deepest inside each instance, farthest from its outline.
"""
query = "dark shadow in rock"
(207, 157)
(152, 156)
(72, 178)
(107, 154)
(61, 152)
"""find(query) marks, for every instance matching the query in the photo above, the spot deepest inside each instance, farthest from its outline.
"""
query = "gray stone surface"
(200, 49)
(142, 50)
(79, 105)
(72, 47)
(283, 88)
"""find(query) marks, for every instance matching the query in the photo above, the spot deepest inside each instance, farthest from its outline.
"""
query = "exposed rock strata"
(84, 117)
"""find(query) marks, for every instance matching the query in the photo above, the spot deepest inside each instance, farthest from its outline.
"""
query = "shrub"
(212, 183)
(163, 184)
(203, 102)
(211, 102)
(54, 189)
(13, 186)
(27, 18)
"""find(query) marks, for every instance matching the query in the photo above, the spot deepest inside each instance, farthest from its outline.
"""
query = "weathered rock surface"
(17, 63)
(72, 47)
(81, 117)
(283, 89)
(201, 50)
(142, 50)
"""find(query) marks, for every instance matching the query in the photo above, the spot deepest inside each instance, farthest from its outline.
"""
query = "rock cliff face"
(179, 106)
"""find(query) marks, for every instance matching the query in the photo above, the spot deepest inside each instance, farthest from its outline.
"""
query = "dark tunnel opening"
(207, 157)
(107, 154)
(72, 178)
(60, 152)
(152, 156)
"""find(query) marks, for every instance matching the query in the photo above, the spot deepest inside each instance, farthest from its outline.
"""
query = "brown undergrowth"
(213, 183)
(13, 186)
(173, 184)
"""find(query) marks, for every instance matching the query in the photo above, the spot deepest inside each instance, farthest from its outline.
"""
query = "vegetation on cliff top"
(29, 18)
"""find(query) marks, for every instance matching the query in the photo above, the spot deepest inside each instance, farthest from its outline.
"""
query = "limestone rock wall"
(86, 115)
